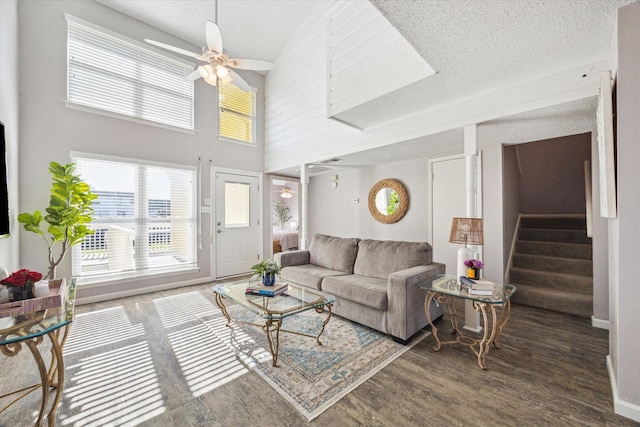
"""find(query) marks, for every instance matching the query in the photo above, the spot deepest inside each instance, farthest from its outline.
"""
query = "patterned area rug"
(310, 376)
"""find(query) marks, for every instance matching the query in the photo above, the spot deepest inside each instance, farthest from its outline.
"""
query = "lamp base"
(463, 255)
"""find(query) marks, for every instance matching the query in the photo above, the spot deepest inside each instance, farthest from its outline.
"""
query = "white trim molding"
(621, 407)
(599, 323)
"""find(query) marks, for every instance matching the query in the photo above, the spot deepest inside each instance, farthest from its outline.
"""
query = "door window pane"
(236, 205)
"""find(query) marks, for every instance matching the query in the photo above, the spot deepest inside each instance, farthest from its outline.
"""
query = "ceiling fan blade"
(239, 81)
(251, 64)
(214, 38)
(177, 50)
(193, 76)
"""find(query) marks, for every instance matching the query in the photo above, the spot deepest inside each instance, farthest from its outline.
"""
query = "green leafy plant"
(68, 214)
(266, 267)
(280, 214)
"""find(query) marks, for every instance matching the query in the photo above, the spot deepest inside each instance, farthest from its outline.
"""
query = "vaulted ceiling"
(477, 47)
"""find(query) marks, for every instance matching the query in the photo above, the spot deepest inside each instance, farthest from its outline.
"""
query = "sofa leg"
(401, 341)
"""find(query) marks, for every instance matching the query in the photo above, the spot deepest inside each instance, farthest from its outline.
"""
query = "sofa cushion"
(308, 275)
(379, 258)
(360, 289)
(334, 253)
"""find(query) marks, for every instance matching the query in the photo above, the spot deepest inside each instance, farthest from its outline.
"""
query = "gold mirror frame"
(403, 201)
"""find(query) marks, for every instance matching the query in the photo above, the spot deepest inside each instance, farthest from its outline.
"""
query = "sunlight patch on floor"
(100, 328)
(118, 387)
(183, 308)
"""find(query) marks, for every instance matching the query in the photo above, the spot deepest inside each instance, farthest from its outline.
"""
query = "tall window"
(108, 72)
(237, 113)
(144, 218)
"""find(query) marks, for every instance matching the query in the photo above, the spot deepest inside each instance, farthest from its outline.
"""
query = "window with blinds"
(237, 113)
(144, 218)
(108, 72)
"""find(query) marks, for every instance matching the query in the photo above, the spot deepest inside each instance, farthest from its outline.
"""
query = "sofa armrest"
(289, 258)
(405, 309)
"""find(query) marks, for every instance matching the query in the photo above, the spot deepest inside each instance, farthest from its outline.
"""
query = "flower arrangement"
(474, 263)
(22, 278)
(265, 268)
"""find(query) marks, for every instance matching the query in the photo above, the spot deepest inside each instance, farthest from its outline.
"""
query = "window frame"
(141, 220)
(253, 118)
(146, 51)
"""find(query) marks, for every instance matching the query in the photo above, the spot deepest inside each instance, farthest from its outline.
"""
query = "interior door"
(449, 200)
(236, 224)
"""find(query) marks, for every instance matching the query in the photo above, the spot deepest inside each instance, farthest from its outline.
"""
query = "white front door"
(236, 223)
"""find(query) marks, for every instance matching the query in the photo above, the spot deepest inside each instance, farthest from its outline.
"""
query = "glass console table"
(444, 288)
(21, 328)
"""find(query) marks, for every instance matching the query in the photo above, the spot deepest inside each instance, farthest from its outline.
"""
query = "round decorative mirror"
(388, 201)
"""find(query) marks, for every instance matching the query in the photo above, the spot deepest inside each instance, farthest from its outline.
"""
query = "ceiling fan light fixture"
(286, 193)
(222, 72)
(226, 80)
(211, 79)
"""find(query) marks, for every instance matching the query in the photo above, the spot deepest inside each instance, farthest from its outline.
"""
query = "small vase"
(473, 273)
(19, 293)
(269, 279)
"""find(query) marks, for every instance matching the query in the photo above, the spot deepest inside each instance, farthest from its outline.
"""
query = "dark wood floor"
(550, 371)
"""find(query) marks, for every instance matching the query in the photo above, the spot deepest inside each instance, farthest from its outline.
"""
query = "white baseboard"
(620, 407)
(599, 323)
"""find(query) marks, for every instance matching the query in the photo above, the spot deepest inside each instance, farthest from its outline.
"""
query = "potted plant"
(280, 214)
(267, 270)
(67, 216)
(473, 268)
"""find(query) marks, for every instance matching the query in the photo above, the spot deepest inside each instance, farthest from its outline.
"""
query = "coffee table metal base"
(273, 327)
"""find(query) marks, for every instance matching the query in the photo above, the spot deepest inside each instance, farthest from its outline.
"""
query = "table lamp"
(467, 231)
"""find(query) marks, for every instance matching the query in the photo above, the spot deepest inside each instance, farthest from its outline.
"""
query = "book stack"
(266, 291)
(477, 286)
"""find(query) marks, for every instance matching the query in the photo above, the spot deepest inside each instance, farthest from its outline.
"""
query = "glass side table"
(444, 288)
(20, 327)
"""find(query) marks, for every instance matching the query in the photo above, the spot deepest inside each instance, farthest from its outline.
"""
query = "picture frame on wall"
(606, 151)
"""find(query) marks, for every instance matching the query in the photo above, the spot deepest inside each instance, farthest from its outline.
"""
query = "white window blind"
(144, 219)
(237, 113)
(113, 74)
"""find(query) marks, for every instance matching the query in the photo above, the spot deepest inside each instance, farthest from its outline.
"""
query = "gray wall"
(600, 246)
(49, 130)
(624, 231)
(332, 211)
(552, 175)
(9, 115)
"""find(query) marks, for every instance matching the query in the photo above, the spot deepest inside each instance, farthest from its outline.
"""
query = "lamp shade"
(467, 231)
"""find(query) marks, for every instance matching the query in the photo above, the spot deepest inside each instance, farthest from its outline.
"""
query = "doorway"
(236, 223)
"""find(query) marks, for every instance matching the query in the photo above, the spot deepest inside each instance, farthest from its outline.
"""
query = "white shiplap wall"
(368, 57)
(297, 130)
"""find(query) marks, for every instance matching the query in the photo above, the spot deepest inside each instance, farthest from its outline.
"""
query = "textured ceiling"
(475, 46)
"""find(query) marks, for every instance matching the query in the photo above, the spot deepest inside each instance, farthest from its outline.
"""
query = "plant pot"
(269, 279)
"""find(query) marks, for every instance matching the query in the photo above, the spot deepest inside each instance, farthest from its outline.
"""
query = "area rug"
(311, 377)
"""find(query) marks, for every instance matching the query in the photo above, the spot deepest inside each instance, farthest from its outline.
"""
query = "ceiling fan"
(218, 64)
(286, 192)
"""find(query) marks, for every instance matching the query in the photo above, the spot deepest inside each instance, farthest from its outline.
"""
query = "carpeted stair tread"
(566, 223)
(553, 235)
(553, 299)
(580, 267)
(557, 281)
(558, 249)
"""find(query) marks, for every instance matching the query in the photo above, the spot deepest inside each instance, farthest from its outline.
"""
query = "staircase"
(552, 266)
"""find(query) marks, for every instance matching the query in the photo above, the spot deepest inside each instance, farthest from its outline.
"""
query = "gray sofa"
(374, 281)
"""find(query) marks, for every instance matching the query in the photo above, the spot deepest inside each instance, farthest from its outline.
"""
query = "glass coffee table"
(295, 300)
(443, 288)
